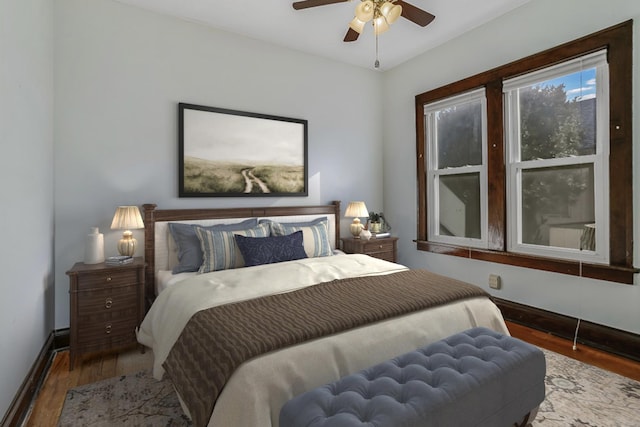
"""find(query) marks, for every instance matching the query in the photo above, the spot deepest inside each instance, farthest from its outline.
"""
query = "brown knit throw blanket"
(217, 340)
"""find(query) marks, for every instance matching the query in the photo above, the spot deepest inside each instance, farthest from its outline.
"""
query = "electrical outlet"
(494, 281)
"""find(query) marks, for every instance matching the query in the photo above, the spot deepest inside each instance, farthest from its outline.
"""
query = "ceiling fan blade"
(351, 36)
(415, 14)
(304, 4)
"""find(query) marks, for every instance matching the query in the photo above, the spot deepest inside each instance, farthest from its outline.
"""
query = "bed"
(256, 390)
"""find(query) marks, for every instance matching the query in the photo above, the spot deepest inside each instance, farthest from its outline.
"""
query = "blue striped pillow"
(315, 235)
(219, 248)
(186, 239)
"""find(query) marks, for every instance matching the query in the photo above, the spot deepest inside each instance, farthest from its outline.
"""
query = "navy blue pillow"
(189, 251)
(269, 250)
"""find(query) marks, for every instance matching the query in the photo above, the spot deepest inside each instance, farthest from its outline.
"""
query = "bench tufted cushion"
(474, 378)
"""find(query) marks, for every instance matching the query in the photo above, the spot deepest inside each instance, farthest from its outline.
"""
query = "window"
(529, 164)
(457, 172)
(557, 142)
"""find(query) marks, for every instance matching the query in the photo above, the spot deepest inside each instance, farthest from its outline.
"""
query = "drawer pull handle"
(108, 303)
(380, 247)
(108, 279)
(108, 328)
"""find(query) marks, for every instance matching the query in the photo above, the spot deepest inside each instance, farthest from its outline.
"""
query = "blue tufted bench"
(474, 378)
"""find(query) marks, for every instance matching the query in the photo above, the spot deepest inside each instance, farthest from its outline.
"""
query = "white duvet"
(258, 389)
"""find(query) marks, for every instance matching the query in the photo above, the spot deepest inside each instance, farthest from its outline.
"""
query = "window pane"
(459, 201)
(558, 117)
(459, 135)
(558, 206)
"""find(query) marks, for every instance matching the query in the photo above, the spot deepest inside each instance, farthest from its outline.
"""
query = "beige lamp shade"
(391, 11)
(380, 25)
(365, 11)
(356, 210)
(357, 25)
(127, 218)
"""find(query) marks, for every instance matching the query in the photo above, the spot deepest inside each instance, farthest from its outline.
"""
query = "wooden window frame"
(618, 40)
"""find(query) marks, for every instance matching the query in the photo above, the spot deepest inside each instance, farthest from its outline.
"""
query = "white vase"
(365, 234)
(94, 247)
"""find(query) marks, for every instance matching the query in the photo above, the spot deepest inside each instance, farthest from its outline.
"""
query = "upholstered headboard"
(157, 244)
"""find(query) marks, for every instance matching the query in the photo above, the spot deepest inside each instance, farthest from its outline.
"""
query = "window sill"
(611, 273)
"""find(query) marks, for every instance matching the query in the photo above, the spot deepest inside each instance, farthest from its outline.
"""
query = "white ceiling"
(320, 30)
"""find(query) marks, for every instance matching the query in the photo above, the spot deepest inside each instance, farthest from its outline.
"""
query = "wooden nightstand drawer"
(381, 246)
(106, 331)
(384, 248)
(108, 300)
(387, 256)
(107, 279)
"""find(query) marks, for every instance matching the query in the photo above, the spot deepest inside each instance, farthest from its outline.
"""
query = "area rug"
(129, 400)
(578, 395)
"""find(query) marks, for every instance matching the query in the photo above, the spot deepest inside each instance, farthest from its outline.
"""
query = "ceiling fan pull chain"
(376, 64)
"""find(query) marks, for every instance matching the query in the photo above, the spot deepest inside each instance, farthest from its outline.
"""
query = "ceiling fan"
(381, 12)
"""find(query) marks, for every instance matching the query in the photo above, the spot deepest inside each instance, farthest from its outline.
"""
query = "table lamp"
(356, 210)
(127, 218)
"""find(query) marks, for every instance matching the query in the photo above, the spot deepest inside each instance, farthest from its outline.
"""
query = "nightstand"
(384, 248)
(107, 305)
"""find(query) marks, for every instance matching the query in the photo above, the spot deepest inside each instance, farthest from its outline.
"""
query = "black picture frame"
(230, 153)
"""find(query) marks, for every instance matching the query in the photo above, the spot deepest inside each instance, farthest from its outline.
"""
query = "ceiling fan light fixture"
(391, 11)
(380, 25)
(365, 11)
(383, 13)
(357, 25)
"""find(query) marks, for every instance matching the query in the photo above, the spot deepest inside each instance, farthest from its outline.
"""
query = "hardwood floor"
(48, 405)
(607, 361)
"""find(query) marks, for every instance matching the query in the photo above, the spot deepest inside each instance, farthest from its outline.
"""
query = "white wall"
(26, 172)
(536, 26)
(119, 74)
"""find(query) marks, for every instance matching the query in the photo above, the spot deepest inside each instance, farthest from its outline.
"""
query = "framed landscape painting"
(228, 153)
